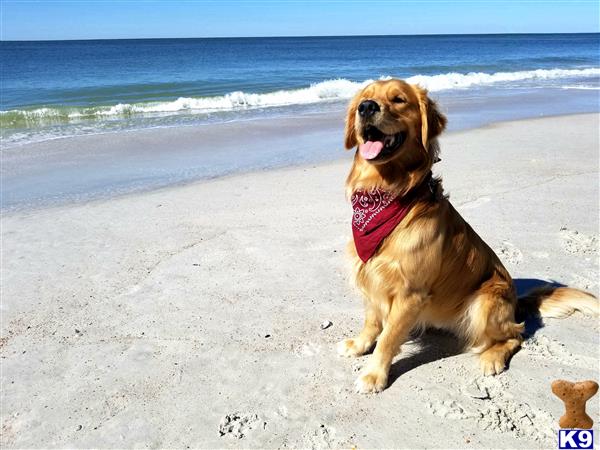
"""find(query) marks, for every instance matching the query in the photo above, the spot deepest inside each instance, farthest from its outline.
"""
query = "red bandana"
(375, 214)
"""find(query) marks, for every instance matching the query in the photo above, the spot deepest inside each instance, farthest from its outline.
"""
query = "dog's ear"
(433, 122)
(350, 132)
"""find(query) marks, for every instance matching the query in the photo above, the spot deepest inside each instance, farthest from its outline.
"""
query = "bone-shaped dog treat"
(575, 395)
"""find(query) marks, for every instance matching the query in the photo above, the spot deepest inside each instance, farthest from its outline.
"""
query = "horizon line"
(296, 36)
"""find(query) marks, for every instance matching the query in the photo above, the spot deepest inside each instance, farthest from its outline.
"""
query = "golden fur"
(433, 269)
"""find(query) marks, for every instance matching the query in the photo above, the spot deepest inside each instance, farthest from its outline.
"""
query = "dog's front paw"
(371, 382)
(350, 347)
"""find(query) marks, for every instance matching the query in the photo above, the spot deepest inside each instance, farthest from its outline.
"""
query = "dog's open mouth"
(378, 144)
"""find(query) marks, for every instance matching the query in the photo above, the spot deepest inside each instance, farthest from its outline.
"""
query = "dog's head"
(394, 122)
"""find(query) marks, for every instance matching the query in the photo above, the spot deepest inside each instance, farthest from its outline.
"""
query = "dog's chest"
(408, 257)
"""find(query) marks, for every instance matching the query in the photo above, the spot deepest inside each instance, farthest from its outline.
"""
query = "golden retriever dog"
(429, 268)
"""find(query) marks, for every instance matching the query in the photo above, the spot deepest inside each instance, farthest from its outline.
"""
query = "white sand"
(142, 321)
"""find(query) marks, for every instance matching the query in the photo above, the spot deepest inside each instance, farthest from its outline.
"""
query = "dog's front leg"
(401, 319)
(361, 344)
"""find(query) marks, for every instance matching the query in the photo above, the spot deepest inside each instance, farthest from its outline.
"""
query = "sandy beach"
(190, 316)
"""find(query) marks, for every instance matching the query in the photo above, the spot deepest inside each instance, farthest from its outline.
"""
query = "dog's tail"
(557, 302)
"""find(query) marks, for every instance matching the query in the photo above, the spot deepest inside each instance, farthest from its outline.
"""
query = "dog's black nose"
(368, 108)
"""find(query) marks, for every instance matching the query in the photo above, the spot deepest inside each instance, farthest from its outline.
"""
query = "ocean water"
(65, 88)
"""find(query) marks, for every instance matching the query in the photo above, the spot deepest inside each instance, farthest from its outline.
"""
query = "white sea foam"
(582, 87)
(326, 90)
(460, 81)
(330, 90)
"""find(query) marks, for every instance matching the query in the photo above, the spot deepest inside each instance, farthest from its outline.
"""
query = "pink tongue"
(370, 149)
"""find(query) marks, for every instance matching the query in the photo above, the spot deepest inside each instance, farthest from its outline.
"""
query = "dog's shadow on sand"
(435, 345)
(432, 345)
(523, 286)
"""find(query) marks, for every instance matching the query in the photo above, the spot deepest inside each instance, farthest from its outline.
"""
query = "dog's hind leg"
(364, 341)
(492, 327)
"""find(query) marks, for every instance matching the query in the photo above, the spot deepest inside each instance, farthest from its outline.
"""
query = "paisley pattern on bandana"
(367, 204)
(375, 215)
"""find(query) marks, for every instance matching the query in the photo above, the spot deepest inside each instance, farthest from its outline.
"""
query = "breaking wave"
(330, 90)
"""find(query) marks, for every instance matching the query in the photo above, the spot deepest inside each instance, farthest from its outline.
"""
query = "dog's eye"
(398, 100)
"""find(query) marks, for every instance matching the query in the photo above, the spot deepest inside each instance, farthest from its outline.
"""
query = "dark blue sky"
(38, 20)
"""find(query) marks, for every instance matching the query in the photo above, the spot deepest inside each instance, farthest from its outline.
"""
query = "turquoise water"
(64, 88)
(144, 114)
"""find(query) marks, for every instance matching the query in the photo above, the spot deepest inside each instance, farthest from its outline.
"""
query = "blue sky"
(102, 19)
